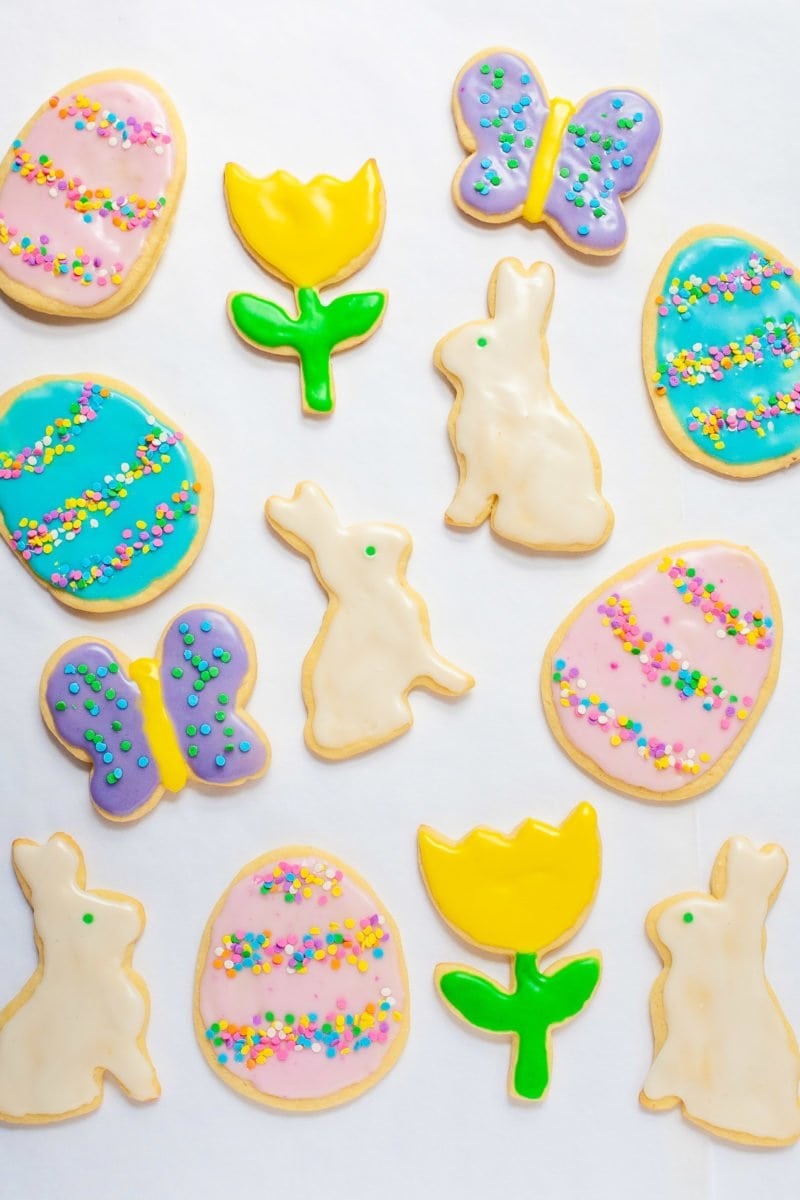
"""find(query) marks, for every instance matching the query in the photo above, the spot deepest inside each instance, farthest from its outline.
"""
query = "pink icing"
(302, 1074)
(618, 678)
(29, 209)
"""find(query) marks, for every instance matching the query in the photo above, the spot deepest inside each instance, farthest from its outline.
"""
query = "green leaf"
(478, 1000)
(353, 316)
(261, 321)
(569, 989)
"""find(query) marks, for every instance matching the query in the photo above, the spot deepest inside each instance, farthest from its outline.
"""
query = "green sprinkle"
(87, 918)
(192, 751)
(688, 917)
(482, 341)
(177, 672)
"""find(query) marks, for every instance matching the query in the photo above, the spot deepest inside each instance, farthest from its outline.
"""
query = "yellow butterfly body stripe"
(545, 161)
(157, 725)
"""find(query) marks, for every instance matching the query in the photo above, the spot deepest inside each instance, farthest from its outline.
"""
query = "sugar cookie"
(88, 192)
(301, 993)
(548, 160)
(84, 1011)
(523, 459)
(374, 645)
(720, 347)
(102, 498)
(724, 1050)
(150, 726)
(654, 683)
(308, 235)
(521, 896)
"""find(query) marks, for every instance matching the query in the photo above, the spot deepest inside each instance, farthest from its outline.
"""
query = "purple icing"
(506, 122)
(629, 127)
(96, 709)
(204, 661)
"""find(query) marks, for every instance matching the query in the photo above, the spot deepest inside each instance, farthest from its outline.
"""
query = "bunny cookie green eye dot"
(370, 551)
(482, 341)
(87, 918)
(688, 917)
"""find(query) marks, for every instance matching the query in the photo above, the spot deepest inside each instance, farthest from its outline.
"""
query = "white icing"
(374, 644)
(86, 1014)
(524, 459)
(729, 1055)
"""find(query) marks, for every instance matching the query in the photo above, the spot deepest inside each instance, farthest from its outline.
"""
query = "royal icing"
(102, 498)
(301, 991)
(87, 191)
(546, 159)
(310, 236)
(658, 678)
(724, 1050)
(524, 461)
(84, 1011)
(522, 895)
(149, 726)
(374, 645)
(721, 349)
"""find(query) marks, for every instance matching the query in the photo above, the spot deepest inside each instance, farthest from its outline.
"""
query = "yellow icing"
(524, 893)
(544, 164)
(310, 234)
(157, 725)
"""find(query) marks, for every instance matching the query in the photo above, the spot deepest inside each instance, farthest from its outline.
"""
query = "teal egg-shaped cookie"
(721, 351)
(103, 498)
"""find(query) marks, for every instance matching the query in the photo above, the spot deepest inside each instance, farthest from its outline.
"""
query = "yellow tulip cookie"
(308, 235)
(522, 895)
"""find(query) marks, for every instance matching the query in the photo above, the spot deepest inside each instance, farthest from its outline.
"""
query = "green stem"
(531, 1023)
(315, 344)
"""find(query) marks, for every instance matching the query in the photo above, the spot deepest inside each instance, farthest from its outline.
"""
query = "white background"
(321, 85)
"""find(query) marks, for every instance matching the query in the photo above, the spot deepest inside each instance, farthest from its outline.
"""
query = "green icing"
(316, 331)
(537, 1002)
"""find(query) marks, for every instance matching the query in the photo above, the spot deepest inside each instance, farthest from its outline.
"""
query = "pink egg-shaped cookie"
(654, 683)
(88, 191)
(301, 993)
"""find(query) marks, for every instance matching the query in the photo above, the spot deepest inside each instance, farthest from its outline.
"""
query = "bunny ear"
(304, 516)
(748, 876)
(58, 860)
(521, 295)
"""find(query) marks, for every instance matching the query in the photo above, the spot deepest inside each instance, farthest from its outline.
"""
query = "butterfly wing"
(604, 155)
(93, 707)
(501, 107)
(208, 667)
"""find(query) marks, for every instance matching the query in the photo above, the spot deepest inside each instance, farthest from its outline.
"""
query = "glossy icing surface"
(726, 1051)
(302, 992)
(655, 680)
(99, 497)
(87, 1012)
(726, 349)
(85, 193)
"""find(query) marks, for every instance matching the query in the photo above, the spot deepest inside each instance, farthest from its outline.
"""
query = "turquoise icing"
(101, 447)
(716, 325)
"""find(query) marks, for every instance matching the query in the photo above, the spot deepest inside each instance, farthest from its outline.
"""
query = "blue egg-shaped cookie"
(102, 497)
(721, 351)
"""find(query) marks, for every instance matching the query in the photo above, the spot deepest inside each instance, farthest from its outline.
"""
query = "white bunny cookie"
(374, 645)
(84, 1010)
(523, 459)
(723, 1048)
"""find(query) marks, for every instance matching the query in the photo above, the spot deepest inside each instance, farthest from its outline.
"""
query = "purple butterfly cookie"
(545, 159)
(150, 725)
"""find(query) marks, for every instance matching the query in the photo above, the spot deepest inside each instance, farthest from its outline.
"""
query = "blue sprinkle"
(69, 669)
(101, 672)
(484, 98)
(503, 112)
(594, 202)
(638, 117)
(205, 626)
(74, 688)
(616, 102)
(560, 664)
(524, 101)
(205, 730)
(486, 162)
(620, 144)
(519, 125)
(108, 757)
(583, 230)
(122, 703)
(220, 760)
(516, 108)
(485, 122)
(192, 700)
(581, 141)
(615, 164)
(627, 159)
(100, 746)
(187, 654)
(143, 761)
(183, 627)
(222, 1058)
(244, 747)
(217, 652)
(570, 196)
(525, 78)
(377, 952)
(118, 772)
